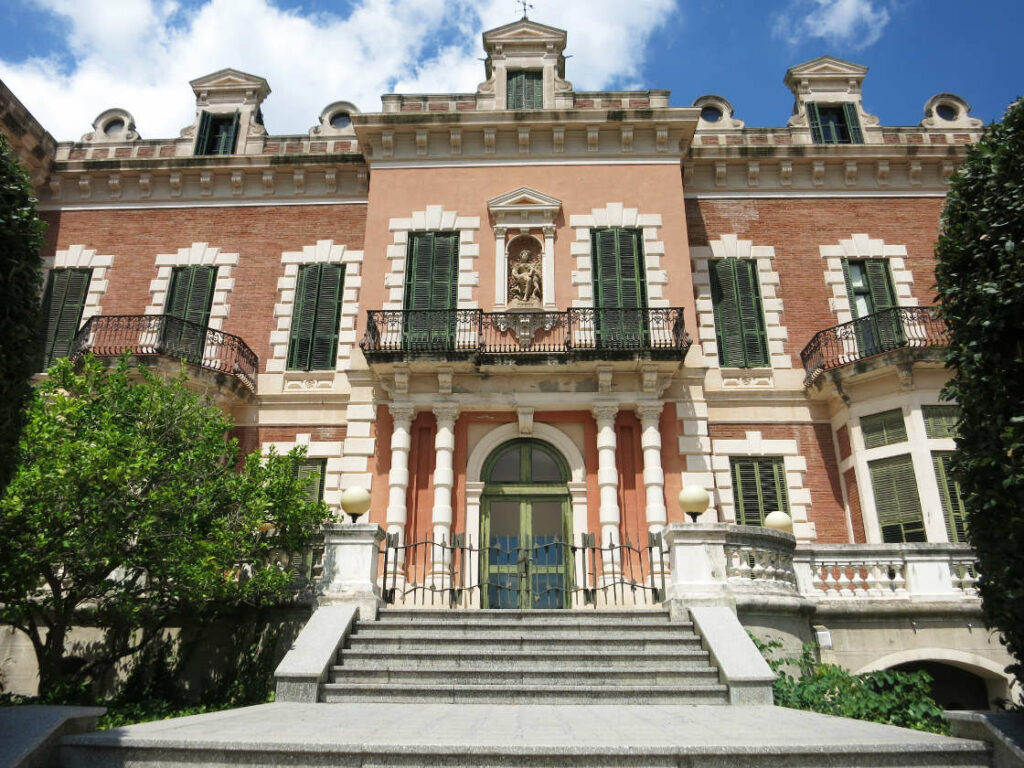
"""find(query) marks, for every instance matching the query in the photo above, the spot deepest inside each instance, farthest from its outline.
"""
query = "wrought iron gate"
(449, 575)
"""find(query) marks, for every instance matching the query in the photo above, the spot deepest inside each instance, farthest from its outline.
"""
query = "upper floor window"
(312, 472)
(897, 502)
(834, 124)
(739, 316)
(940, 421)
(431, 289)
(217, 134)
(62, 308)
(313, 342)
(758, 487)
(189, 300)
(869, 286)
(884, 428)
(525, 89)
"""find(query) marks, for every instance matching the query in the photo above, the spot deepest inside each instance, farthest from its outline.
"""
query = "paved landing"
(490, 731)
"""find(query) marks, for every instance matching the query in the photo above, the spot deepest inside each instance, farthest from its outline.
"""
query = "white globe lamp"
(779, 521)
(355, 502)
(693, 500)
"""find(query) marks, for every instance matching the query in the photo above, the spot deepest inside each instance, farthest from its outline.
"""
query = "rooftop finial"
(526, 6)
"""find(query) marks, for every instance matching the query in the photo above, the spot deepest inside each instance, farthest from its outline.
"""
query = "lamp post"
(693, 500)
(355, 501)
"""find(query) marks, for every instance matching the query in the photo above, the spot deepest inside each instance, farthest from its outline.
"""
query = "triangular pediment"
(525, 32)
(230, 80)
(523, 198)
(825, 68)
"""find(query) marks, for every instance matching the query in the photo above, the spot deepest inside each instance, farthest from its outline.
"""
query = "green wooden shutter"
(227, 146)
(884, 428)
(620, 287)
(814, 121)
(431, 289)
(849, 287)
(888, 324)
(739, 315)
(853, 123)
(949, 492)
(728, 328)
(323, 355)
(940, 421)
(314, 472)
(62, 308)
(748, 299)
(759, 487)
(515, 91)
(202, 146)
(897, 503)
(189, 299)
(303, 317)
(533, 90)
(604, 254)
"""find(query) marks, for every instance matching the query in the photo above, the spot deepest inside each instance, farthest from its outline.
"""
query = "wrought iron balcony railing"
(579, 332)
(896, 328)
(144, 335)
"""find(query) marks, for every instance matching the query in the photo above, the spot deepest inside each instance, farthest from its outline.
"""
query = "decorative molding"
(199, 254)
(729, 246)
(324, 252)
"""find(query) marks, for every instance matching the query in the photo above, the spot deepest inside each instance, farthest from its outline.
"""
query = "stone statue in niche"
(525, 278)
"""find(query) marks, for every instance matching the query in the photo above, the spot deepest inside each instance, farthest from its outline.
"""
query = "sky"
(70, 60)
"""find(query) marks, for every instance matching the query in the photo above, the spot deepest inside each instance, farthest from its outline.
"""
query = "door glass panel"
(506, 468)
(503, 540)
(547, 533)
(503, 590)
(548, 590)
(544, 468)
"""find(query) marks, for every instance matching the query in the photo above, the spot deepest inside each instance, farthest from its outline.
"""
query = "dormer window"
(525, 89)
(834, 123)
(217, 134)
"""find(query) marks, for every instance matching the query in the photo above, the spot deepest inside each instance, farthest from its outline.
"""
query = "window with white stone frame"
(863, 248)
(726, 451)
(324, 253)
(198, 255)
(718, 252)
(75, 282)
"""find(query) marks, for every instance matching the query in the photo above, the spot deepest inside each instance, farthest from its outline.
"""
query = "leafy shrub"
(886, 696)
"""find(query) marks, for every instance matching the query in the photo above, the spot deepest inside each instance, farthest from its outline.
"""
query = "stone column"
(501, 271)
(548, 268)
(444, 476)
(607, 473)
(654, 476)
(398, 479)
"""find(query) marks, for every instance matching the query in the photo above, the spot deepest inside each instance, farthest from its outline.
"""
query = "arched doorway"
(525, 528)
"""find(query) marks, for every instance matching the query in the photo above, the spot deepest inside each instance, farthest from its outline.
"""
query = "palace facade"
(528, 316)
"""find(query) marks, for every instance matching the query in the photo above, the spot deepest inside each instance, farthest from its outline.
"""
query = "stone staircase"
(537, 657)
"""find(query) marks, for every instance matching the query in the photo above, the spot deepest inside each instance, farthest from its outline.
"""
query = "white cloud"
(852, 24)
(140, 54)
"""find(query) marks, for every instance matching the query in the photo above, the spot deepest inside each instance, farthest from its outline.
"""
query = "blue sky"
(68, 60)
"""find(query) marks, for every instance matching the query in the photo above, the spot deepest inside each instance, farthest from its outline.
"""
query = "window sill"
(308, 380)
(755, 378)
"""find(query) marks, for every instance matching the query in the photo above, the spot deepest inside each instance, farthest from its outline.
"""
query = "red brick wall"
(856, 515)
(814, 442)
(843, 438)
(258, 234)
(797, 227)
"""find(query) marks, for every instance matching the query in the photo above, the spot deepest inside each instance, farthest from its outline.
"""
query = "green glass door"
(873, 304)
(525, 562)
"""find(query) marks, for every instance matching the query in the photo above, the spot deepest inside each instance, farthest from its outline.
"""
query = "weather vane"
(526, 6)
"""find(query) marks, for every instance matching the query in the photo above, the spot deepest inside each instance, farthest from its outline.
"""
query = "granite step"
(567, 675)
(532, 617)
(710, 693)
(581, 642)
(560, 629)
(523, 659)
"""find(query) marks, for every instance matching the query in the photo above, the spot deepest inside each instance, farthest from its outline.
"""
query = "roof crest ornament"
(526, 6)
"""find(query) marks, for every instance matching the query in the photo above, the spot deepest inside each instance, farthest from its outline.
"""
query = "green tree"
(128, 511)
(981, 286)
(21, 236)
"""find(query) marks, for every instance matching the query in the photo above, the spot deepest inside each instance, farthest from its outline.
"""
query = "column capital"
(402, 411)
(605, 411)
(646, 411)
(500, 231)
(446, 412)
(548, 230)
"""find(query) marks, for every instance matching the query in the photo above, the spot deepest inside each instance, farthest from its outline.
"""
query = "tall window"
(896, 499)
(189, 299)
(431, 289)
(739, 315)
(869, 286)
(62, 308)
(836, 124)
(758, 488)
(217, 134)
(620, 287)
(313, 343)
(524, 89)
